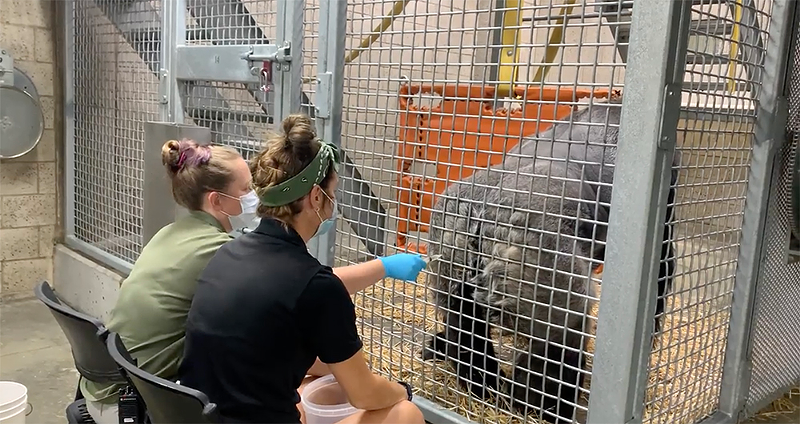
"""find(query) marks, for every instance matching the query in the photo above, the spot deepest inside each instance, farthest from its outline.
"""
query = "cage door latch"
(229, 63)
(280, 56)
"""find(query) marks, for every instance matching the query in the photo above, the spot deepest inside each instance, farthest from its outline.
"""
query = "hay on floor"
(781, 407)
(685, 368)
(388, 312)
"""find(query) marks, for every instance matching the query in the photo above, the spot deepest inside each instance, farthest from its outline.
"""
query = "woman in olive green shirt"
(214, 184)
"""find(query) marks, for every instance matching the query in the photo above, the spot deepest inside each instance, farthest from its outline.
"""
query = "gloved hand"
(403, 266)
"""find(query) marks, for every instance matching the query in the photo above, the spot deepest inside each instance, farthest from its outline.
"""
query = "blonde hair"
(285, 156)
(195, 170)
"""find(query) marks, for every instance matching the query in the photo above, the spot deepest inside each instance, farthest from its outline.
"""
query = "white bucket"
(325, 402)
(13, 402)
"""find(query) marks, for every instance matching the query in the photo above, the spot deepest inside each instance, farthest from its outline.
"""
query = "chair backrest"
(166, 402)
(86, 336)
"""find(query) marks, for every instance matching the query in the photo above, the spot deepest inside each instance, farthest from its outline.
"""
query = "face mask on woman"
(326, 224)
(246, 219)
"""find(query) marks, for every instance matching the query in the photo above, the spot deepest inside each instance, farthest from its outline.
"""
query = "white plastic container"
(13, 402)
(324, 401)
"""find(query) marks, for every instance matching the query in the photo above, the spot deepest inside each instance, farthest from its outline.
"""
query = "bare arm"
(364, 389)
(319, 369)
(360, 276)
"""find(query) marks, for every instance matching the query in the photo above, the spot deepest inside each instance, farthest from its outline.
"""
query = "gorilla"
(518, 242)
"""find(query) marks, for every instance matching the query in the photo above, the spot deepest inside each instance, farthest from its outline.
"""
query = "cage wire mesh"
(311, 46)
(714, 144)
(238, 115)
(115, 91)
(775, 331)
(426, 106)
(434, 93)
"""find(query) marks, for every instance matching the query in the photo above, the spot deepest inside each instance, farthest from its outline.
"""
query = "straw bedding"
(685, 367)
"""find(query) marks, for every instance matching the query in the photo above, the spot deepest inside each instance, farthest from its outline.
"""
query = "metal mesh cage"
(116, 52)
(422, 114)
(446, 90)
(453, 113)
(776, 329)
(237, 115)
(714, 144)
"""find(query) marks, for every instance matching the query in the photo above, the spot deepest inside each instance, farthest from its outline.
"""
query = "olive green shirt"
(150, 314)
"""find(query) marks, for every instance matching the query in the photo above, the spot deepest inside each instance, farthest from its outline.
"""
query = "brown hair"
(196, 170)
(284, 157)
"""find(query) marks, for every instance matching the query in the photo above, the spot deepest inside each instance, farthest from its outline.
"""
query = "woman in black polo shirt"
(266, 313)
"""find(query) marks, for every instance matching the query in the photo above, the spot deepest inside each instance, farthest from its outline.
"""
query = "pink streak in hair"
(181, 159)
(192, 154)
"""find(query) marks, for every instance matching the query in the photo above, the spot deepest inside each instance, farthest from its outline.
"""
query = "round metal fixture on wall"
(21, 119)
(25, 83)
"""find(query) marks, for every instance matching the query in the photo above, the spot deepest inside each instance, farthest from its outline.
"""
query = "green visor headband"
(301, 184)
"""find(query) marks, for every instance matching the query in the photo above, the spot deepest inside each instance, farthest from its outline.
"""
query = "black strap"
(408, 389)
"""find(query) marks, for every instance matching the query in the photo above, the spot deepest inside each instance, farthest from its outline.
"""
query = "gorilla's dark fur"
(502, 231)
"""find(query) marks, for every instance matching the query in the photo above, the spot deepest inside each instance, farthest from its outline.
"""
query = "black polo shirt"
(263, 311)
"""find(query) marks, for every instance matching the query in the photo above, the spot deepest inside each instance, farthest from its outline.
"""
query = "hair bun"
(298, 135)
(176, 155)
(296, 121)
(170, 155)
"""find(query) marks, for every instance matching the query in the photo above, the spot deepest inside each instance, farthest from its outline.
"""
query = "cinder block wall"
(29, 213)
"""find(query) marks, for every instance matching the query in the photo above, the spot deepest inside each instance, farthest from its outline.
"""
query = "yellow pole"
(556, 37)
(735, 40)
(509, 54)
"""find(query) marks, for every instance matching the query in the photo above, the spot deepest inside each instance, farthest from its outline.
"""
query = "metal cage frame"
(658, 34)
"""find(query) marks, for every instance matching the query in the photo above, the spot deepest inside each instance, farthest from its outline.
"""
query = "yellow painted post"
(735, 40)
(509, 54)
(556, 37)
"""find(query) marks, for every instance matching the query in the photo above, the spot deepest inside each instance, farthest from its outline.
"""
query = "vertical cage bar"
(289, 83)
(173, 24)
(69, 117)
(768, 136)
(650, 112)
(496, 40)
(330, 95)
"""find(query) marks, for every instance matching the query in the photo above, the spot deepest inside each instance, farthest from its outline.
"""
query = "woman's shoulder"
(180, 241)
(325, 283)
(325, 275)
(189, 228)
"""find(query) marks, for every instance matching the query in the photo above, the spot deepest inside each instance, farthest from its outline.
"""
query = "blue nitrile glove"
(403, 266)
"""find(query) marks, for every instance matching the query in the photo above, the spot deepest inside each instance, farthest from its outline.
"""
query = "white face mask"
(247, 219)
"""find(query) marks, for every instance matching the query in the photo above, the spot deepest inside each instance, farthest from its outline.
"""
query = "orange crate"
(459, 135)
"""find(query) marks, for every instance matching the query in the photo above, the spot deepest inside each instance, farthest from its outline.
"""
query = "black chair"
(86, 336)
(167, 402)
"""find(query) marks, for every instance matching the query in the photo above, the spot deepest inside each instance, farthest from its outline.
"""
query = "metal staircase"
(702, 33)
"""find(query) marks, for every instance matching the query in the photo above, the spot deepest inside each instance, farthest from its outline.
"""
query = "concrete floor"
(34, 352)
